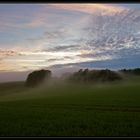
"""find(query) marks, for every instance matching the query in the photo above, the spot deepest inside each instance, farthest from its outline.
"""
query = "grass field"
(111, 109)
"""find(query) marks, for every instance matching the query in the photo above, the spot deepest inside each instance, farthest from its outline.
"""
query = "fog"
(21, 76)
(13, 76)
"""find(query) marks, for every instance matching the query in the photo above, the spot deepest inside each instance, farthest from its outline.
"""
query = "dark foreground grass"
(70, 110)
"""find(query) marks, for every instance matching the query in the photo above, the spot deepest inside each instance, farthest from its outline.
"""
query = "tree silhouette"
(135, 71)
(95, 75)
(35, 78)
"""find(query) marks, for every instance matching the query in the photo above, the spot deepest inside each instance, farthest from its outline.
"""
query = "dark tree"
(135, 71)
(95, 76)
(37, 77)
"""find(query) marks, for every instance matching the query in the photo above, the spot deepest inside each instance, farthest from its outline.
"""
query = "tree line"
(95, 75)
(36, 78)
(135, 71)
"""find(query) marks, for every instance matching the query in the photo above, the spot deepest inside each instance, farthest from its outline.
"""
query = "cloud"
(28, 17)
(4, 54)
(118, 63)
(105, 9)
(22, 17)
(88, 37)
(48, 37)
(63, 48)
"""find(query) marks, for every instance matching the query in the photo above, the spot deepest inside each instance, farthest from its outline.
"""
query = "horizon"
(67, 37)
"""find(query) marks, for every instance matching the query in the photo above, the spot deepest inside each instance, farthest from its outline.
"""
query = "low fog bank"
(13, 76)
(21, 76)
(57, 73)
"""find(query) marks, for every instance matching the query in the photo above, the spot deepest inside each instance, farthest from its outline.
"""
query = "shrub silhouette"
(95, 76)
(37, 77)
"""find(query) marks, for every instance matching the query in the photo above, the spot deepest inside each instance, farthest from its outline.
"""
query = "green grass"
(111, 109)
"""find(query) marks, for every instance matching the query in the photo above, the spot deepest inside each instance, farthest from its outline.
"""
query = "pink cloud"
(90, 8)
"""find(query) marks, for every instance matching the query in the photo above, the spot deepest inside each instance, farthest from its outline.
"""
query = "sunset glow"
(39, 36)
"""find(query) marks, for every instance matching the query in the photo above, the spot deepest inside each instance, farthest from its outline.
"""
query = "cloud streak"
(105, 9)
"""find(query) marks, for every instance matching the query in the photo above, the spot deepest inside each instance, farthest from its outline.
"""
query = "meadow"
(66, 109)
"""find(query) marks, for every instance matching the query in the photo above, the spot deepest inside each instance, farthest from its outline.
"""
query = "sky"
(66, 37)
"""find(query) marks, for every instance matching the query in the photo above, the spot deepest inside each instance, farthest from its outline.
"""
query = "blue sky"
(35, 36)
(129, 5)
